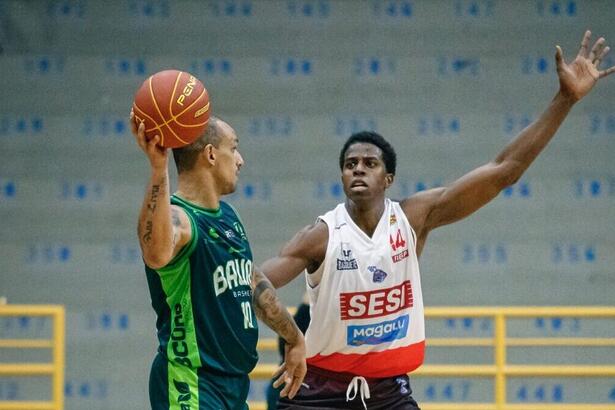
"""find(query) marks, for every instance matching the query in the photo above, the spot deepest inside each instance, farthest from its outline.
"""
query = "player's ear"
(209, 153)
(388, 180)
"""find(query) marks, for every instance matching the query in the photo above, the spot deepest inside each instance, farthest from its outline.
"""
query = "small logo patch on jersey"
(392, 219)
(396, 244)
(184, 393)
(400, 256)
(403, 385)
(239, 229)
(346, 261)
(378, 275)
(213, 234)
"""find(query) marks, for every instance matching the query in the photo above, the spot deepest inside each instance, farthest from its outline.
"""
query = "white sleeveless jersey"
(367, 310)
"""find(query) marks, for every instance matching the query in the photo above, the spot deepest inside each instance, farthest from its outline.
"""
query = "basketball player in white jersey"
(367, 323)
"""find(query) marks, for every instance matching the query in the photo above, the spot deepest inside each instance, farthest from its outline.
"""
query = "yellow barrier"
(54, 369)
(500, 370)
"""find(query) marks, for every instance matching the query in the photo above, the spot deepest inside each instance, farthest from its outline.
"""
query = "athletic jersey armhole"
(403, 215)
(188, 248)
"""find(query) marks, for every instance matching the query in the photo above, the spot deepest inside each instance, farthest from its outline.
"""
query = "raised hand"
(579, 77)
(158, 156)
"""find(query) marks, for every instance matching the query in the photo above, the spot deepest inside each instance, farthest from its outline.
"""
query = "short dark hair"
(185, 157)
(388, 152)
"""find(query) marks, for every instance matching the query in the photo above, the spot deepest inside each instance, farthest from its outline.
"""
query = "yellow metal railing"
(500, 370)
(54, 369)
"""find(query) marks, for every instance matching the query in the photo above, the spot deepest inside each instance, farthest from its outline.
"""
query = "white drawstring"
(355, 387)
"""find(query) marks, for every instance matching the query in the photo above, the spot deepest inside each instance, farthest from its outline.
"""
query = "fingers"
(291, 378)
(278, 372)
(140, 135)
(294, 387)
(559, 56)
(596, 50)
(147, 144)
(584, 44)
(597, 53)
(600, 56)
(133, 124)
(606, 72)
(154, 142)
(287, 385)
(291, 386)
(278, 382)
(141, 130)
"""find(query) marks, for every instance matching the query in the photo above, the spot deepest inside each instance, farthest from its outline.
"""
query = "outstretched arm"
(163, 229)
(306, 250)
(270, 310)
(430, 209)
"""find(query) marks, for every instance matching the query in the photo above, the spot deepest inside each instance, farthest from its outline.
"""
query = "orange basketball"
(173, 104)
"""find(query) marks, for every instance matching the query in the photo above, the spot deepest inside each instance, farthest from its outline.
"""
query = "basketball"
(173, 104)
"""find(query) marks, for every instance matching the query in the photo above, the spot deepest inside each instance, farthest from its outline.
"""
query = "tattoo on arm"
(153, 199)
(270, 310)
(146, 237)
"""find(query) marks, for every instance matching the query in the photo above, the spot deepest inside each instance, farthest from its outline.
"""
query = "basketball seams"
(153, 97)
(179, 74)
(193, 125)
(204, 92)
(165, 123)
(168, 85)
(134, 104)
(173, 118)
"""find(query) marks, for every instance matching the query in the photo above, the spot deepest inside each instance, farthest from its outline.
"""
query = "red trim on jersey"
(387, 363)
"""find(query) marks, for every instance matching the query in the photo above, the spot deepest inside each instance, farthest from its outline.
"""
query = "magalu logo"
(398, 243)
(346, 261)
(184, 394)
(378, 275)
(377, 333)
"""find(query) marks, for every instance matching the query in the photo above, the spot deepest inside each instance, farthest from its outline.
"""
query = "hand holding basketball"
(157, 155)
(174, 105)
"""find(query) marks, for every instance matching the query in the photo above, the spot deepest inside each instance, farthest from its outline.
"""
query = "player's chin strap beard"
(358, 384)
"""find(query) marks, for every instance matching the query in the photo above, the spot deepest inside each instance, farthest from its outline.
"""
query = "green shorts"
(176, 387)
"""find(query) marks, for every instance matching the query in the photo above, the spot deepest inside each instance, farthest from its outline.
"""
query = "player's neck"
(366, 215)
(199, 191)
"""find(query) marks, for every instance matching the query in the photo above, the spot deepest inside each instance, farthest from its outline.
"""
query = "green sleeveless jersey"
(203, 297)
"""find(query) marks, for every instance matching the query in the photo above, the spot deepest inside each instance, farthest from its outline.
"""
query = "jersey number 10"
(247, 315)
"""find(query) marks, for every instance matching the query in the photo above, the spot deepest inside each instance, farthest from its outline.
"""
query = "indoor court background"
(448, 82)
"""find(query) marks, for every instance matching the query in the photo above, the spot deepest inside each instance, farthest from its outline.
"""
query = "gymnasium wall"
(448, 82)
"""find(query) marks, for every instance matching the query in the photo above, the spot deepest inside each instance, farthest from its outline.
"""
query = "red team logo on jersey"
(398, 243)
(375, 303)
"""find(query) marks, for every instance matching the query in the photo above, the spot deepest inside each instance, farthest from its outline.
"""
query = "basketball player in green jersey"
(203, 284)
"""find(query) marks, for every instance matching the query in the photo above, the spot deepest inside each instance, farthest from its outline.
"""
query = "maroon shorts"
(323, 389)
